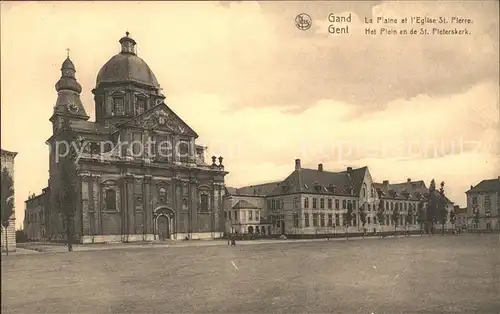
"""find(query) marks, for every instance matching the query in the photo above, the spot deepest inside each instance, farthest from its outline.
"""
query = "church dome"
(126, 67)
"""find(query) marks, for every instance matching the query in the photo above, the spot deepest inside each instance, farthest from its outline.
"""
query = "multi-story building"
(315, 201)
(7, 162)
(141, 175)
(406, 198)
(35, 214)
(483, 205)
(460, 217)
(245, 210)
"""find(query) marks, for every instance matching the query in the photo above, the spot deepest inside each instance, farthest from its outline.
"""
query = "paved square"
(438, 274)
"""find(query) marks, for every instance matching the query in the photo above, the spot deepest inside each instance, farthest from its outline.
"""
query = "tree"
(348, 218)
(66, 195)
(431, 207)
(421, 215)
(7, 202)
(362, 218)
(453, 218)
(395, 217)
(380, 213)
(409, 217)
(442, 214)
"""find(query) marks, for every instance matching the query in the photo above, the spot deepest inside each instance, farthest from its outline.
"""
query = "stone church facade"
(142, 176)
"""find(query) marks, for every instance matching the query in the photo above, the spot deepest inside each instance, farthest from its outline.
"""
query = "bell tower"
(68, 104)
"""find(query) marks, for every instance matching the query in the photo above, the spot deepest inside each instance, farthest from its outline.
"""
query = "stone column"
(84, 179)
(123, 206)
(192, 152)
(130, 203)
(148, 205)
(95, 199)
(175, 148)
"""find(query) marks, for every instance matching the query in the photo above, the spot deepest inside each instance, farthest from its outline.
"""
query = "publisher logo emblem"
(303, 21)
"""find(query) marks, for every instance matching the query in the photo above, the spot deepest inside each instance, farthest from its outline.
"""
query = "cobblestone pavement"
(46, 247)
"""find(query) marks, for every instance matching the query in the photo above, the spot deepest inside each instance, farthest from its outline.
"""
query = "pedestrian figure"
(228, 239)
(233, 241)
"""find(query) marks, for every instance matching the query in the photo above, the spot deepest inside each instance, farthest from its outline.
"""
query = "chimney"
(297, 164)
(386, 182)
(408, 180)
(320, 167)
(471, 187)
(349, 169)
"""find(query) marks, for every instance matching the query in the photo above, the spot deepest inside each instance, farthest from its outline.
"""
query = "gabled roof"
(401, 191)
(257, 190)
(319, 181)
(160, 117)
(242, 204)
(491, 185)
(229, 191)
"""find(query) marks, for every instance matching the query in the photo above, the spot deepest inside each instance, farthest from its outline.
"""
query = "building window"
(349, 204)
(250, 215)
(183, 151)
(306, 202)
(369, 220)
(136, 144)
(344, 204)
(184, 202)
(330, 203)
(315, 220)
(204, 203)
(111, 199)
(141, 105)
(257, 215)
(364, 189)
(386, 205)
(235, 215)
(322, 220)
(315, 202)
(369, 207)
(330, 220)
(118, 106)
(392, 206)
(322, 203)
(229, 212)
(295, 220)
(162, 195)
(353, 204)
(225, 215)
(306, 220)
(295, 202)
(354, 220)
(474, 200)
(337, 204)
(337, 220)
(163, 148)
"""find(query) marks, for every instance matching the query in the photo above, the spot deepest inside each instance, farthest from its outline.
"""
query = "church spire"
(68, 78)
(68, 102)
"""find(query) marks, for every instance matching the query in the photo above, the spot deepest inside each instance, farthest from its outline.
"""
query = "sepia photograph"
(250, 157)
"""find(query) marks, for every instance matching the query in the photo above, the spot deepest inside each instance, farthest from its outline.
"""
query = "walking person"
(233, 241)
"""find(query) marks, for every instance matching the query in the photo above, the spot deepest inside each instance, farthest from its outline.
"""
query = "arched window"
(344, 204)
(183, 151)
(204, 204)
(364, 189)
(162, 195)
(111, 199)
(117, 106)
(306, 202)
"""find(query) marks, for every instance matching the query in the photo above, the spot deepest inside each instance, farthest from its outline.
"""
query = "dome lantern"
(128, 44)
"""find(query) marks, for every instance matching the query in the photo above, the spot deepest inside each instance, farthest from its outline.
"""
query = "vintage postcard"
(250, 157)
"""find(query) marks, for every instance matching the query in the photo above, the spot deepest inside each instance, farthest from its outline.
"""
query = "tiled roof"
(90, 127)
(398, 191)
(416, 189)
(258, 189)
(491, 185)
(242, 204)
(230, 191)
(316, 181)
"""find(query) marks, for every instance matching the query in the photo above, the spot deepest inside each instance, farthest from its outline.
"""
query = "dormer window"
(117, 109)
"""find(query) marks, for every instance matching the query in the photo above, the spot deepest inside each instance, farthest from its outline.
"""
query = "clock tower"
(68, 104)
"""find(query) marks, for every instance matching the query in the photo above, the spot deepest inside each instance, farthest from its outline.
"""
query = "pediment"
(161, 118)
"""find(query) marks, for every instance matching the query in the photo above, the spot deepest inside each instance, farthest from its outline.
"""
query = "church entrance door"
(163, 228)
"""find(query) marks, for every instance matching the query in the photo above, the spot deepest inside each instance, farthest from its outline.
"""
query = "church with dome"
(141, 175)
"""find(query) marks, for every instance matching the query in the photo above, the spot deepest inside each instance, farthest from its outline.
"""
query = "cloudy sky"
(261, 93)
